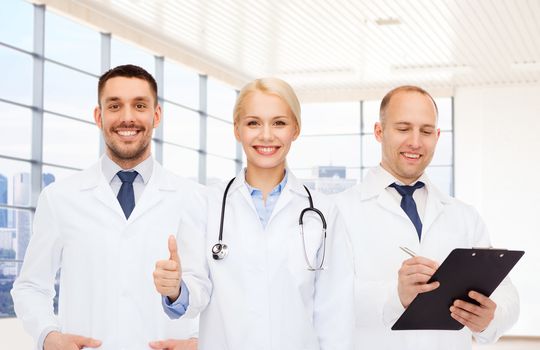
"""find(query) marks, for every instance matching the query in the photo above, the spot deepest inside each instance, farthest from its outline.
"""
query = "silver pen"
(408, 251)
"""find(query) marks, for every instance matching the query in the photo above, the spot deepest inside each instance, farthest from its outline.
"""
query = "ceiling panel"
(334, 48)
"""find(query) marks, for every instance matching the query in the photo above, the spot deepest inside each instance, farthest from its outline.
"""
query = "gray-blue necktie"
(409, 205)
(126, 196)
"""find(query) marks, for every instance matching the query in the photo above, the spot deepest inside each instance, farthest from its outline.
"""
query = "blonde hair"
(272, 86)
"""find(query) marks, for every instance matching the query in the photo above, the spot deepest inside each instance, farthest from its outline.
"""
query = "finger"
(86, 342)
(417, 268)
(159, 344)
(473, 322)
(166, 276)
(168, 284)
(482, 299)
(415, 279)
(173, 249)
(424, 288)
(469, 307)
(168, 265)
(420, 260)
(162, 344)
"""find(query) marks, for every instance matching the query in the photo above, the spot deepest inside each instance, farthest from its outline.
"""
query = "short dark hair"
(404, 88)
(128, 71)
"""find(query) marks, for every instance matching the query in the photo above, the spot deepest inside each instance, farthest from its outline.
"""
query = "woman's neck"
(264, 179)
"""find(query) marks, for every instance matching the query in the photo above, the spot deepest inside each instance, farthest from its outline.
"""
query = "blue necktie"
(126, 196)
(408, 204)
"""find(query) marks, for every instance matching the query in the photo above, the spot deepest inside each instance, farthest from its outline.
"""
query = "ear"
(98, 117)
(297, 132)
(438, 133)
(157, 116)
(236, 132)
(378, 131)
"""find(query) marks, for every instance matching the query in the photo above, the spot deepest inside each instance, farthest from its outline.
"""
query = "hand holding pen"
(413, 276)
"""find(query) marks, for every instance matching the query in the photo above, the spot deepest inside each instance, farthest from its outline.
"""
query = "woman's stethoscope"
(220, 249)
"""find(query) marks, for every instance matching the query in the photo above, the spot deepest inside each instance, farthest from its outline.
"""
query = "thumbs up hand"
(168, 273)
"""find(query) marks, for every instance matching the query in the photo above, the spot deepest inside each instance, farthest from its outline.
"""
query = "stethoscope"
(220, 249)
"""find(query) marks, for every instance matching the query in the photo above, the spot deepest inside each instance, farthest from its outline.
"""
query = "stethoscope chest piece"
(219, 251)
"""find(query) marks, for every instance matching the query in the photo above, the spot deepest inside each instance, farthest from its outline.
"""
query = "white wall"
(497, 169)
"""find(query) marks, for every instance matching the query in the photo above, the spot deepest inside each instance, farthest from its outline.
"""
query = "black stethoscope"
(220, 249)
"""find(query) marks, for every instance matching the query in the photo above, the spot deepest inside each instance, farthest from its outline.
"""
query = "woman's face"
(266, 128)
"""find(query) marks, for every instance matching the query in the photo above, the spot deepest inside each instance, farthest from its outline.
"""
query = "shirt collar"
(276, 190)
(378, 179)
(110, 168)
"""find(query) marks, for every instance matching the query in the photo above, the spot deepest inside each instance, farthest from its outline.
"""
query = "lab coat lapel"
(387, 202)
(239, 184)
(374, 185)
(292, 188)
(153, 193)
(93, 180)
(434, 205)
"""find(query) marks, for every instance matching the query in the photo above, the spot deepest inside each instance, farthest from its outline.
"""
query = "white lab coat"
(106, 262)
(378, 227)
(263, 295)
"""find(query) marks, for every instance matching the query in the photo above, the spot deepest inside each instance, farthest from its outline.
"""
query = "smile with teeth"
(127, 133)
(266, 150)
(411, 155)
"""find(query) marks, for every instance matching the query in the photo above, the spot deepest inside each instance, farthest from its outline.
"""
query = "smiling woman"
(281, 268)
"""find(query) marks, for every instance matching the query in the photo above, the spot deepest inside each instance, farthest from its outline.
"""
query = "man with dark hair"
(105, 227)
(397, 205)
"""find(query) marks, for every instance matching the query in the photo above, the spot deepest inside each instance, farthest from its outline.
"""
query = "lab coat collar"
(93, 177)
(378, 179)
(159, 182)
(292, 187)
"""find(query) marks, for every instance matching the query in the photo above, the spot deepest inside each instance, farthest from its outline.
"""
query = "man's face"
(126, 115)
(408, 135)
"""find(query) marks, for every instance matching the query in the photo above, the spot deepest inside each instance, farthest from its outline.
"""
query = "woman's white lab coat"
(377, 228)
(263, 295)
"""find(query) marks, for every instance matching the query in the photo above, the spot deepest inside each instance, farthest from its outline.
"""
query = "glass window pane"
(221, 140)
(17, 18)
(442, 178)
(17, 80)
(331, 118)
(124, 53)
(70, 92)
(444, 104)
(181, 161)
(180, 126)
(370, 112)
(371, 151)
(181, 85)
(15, 181)
(219, 169)
(54, 173)
(221, 99)
(443, 152)
(309, 152)
(8, 273)
(69, 142)
(72, 43)
(16, 130)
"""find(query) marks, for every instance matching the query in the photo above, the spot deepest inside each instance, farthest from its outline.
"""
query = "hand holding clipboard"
(464, 270)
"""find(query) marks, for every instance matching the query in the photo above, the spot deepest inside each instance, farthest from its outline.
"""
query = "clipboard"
(463, 270)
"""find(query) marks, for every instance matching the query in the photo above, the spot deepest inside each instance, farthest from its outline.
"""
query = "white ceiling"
(334, 49)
